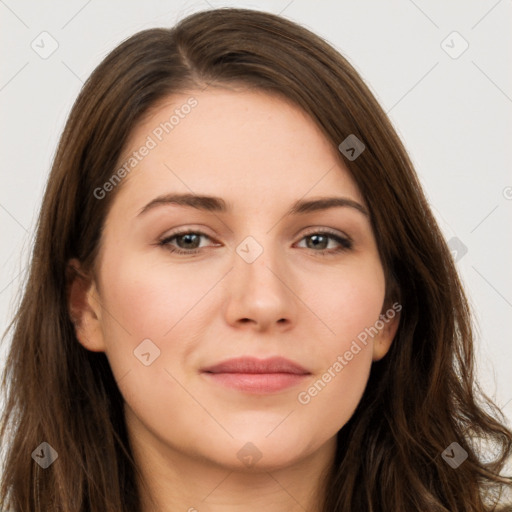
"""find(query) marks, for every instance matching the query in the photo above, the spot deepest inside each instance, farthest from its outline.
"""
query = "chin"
(258, 451)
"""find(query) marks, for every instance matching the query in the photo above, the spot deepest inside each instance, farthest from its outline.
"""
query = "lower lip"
(257, 382)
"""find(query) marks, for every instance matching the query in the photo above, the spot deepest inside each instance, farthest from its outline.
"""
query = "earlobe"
(84, 307)
(382, 342)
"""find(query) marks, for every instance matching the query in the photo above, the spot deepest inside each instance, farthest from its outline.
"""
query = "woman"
(239, 298)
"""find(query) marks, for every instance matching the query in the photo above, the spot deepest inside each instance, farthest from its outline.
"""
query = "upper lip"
(254, 365)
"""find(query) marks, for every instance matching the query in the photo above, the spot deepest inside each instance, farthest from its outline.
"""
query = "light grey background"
(452, 108)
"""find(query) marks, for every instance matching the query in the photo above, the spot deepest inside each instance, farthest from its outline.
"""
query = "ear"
(390, 318)
(84, 307)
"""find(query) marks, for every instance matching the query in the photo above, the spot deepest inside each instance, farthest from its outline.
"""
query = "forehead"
(235, 144)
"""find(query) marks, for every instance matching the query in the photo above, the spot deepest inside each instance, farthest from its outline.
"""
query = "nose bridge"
(259, 283)
(257, 264)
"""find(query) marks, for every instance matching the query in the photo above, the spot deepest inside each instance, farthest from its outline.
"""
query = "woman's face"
(260, 275)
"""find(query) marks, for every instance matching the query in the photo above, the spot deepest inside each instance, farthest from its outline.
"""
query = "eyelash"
(345, 243)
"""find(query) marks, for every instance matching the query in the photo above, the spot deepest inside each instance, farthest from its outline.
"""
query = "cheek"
(154, 318)
(344, 362)
(351, 310)
(151, 324)
(149, 301)
(348, 301)
(331, 397)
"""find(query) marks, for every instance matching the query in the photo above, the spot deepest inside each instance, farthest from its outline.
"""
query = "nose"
(260, 294)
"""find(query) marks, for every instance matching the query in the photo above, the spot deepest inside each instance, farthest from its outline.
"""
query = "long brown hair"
(420, 398)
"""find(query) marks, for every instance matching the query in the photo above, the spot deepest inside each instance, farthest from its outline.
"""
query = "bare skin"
(300, 299)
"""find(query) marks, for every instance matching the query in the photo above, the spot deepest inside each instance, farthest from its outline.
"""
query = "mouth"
(258, 376)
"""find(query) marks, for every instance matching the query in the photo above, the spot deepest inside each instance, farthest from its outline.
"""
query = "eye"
(189, 242)
(319, 241)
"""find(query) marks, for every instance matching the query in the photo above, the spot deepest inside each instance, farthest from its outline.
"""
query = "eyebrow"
(218, 205)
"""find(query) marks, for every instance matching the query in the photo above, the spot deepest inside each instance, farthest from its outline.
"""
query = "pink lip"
(257, 375)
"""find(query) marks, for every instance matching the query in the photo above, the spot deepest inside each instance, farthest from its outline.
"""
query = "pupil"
(187, 240)
(314, 239)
